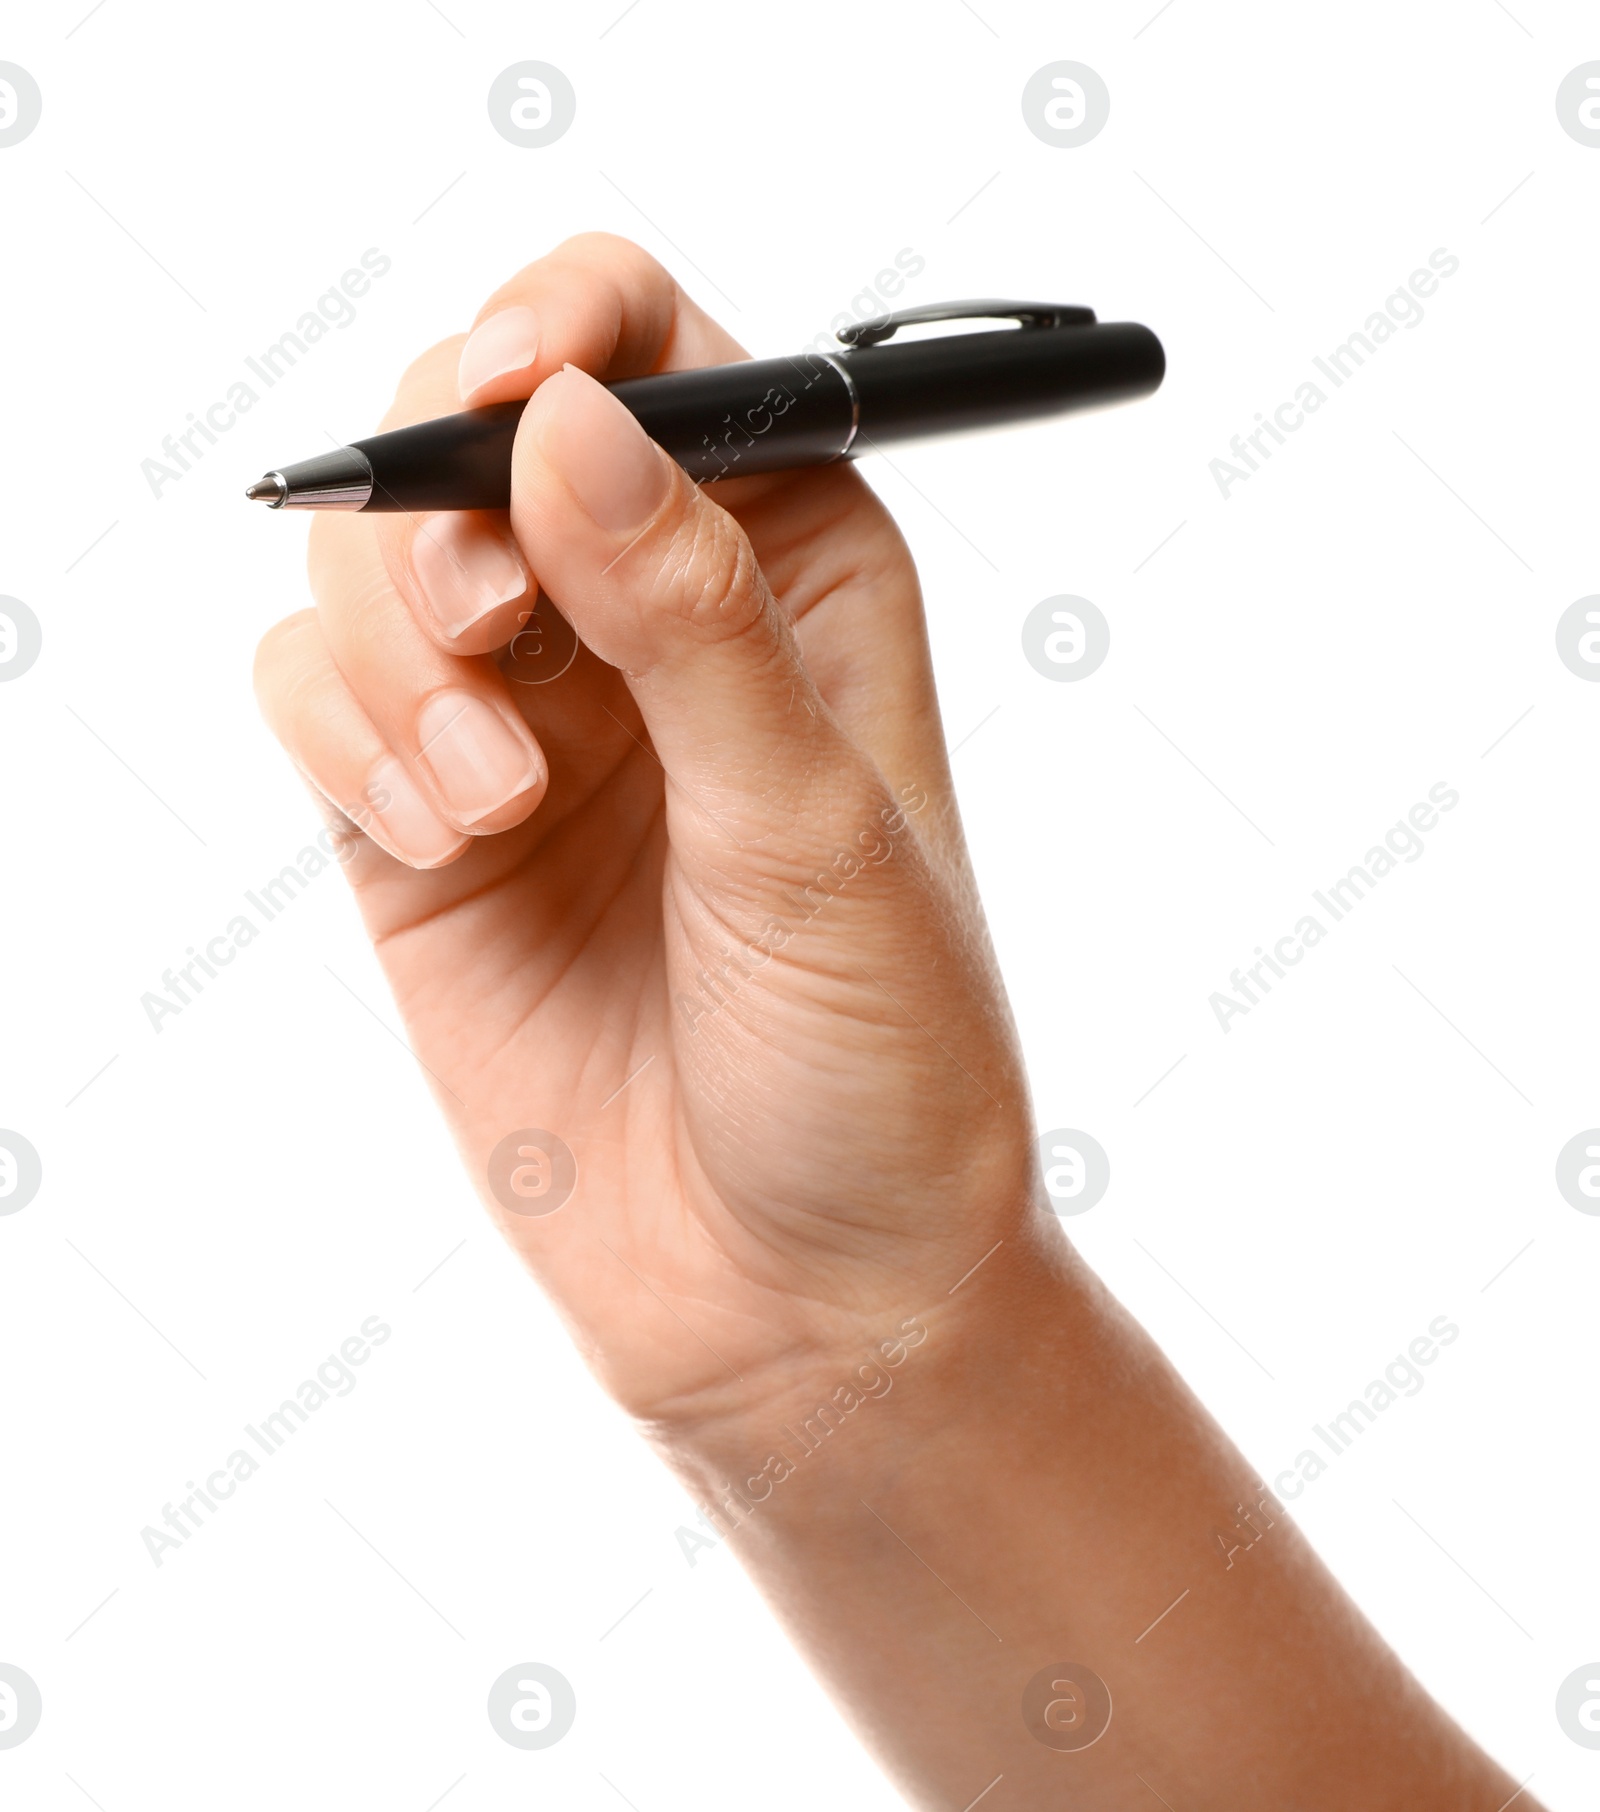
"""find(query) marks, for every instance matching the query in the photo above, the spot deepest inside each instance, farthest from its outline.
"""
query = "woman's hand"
(695, 903)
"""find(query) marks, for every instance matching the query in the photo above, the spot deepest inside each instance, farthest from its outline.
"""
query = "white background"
(1364, 618)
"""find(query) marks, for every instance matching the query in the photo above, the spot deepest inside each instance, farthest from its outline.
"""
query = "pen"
(769, 415)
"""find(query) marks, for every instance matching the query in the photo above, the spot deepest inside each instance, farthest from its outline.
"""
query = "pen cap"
(975, 380)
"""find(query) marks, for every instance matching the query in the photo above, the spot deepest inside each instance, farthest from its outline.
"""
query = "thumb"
(662, 583)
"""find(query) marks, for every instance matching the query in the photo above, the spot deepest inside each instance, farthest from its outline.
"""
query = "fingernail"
(616, 472)
(466, 567)
(508, 341)
(402, 820)
(477, 760)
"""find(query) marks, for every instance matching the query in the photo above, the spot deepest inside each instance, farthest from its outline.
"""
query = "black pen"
(769, 415)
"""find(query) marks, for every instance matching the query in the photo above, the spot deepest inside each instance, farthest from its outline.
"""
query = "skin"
(724, 944)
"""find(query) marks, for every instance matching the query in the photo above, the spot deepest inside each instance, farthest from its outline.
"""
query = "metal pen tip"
(270, 490)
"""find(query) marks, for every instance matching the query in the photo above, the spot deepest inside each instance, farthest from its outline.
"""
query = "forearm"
(1033, 1486)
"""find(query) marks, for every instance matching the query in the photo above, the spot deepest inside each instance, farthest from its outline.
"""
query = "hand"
(699, 905)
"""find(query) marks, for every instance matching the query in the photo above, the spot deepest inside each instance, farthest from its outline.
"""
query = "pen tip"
(270, 489)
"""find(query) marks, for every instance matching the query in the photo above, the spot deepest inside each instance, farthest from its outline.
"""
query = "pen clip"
(1030, 314)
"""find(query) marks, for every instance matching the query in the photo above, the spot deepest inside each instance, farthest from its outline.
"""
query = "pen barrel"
(910, 389)
(454, 462)
(776, 415)
(733, 421)
(722, 421)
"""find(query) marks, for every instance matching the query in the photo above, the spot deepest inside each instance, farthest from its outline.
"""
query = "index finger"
(598, 302)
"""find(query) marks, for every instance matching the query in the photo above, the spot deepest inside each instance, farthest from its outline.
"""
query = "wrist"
(886, 1388)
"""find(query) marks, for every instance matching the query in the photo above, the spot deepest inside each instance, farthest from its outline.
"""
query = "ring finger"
(311, 710)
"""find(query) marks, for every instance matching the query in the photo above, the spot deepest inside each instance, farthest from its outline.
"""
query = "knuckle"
(594, 262)
(393, 535)
(608, 248)
(280, 650)
(424, 363)
(349, 574)
(714, 587)
(427, 385)
(326, 546)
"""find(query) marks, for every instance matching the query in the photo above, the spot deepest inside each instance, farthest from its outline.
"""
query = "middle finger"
(451, 718)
